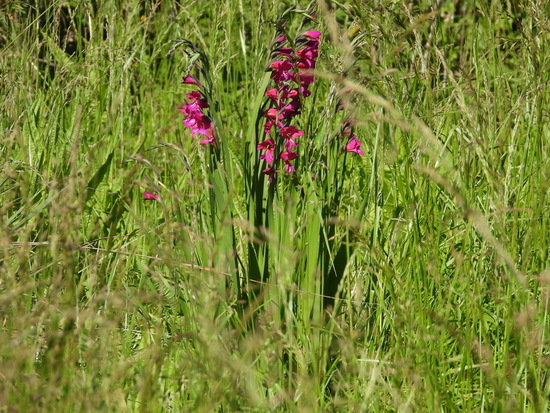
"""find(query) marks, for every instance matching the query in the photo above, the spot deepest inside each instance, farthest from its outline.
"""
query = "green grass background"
(212, 299)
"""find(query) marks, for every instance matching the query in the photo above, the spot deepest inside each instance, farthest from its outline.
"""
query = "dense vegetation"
(413, 278)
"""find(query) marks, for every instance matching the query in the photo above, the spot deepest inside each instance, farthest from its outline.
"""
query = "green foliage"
(415, 278)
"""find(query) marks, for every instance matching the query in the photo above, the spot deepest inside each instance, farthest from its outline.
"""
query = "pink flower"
(207, 141)
(281, 70)
(306, 64)
(273, 113)
(272, 94)
(308, 53)
(205, 128)
(192, 109)
(196, 120)
(148, 196)
(196, 97)
(306, 79)
(269, 172)
(289, 144)
(291, 132)
(305, 91)
(267, 127)
(287, 100)
(190, 80)
(269, 147)
(312, 34)
(282, 65)
(286, 157)
(292, 94)
(290, 110)
(353, 145)
(289, 168)
(269, 124)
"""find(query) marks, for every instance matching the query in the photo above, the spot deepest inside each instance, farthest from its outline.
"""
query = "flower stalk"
(291, 73)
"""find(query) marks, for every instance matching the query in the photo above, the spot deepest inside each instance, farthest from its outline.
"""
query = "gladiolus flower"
(307, 53)
(196, 120)
(354, 145)
(272, 94)
(306, 79)
(190, 80)
(273, 114)
(148, 196)
(289, 144)
(291, 132)
(287, 99)
(286, 157)
(281, 70)
(196, 97)
(313, 34)
(269, 147)
(269, 172)
(208, 141)
(306, 64)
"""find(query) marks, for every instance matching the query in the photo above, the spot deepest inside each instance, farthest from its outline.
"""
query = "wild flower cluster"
(291, 73)
(198, 122)
(292, 76)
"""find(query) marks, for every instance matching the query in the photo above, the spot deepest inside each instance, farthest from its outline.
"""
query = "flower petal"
(148, 196)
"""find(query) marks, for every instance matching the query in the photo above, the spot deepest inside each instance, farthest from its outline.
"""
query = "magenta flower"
(267, 127)
(281, 70)
(313, 34)
(306, 64)
(292, 94)
(196, 97)
(272, 94)
(269, 172)
(304, 91)
(148, 196)
(290, 110)
(196, 119)
(286, 157)
(269, 147)
(205, 128)
(190, 80)
(273, 114)
(289, 144)
(308, 53)
(306, 79)
(353, 145)
(291, 132)
(291, 74)
(206, 141)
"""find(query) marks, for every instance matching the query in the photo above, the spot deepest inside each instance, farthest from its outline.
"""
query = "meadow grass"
(414, 278)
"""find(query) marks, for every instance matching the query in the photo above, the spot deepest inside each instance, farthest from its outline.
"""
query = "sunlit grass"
(414, 278)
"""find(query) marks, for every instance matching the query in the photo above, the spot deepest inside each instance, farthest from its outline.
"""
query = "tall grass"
(414, 278)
